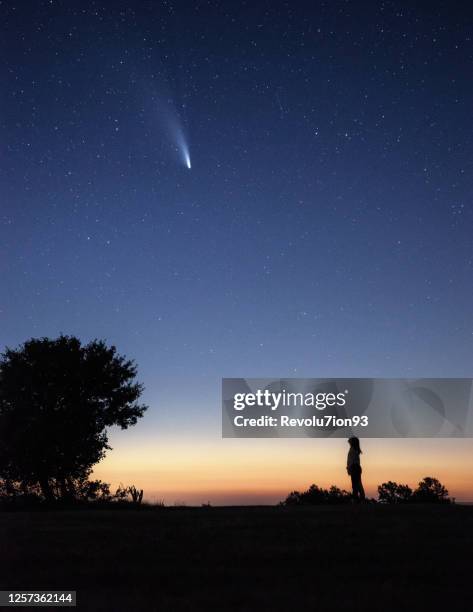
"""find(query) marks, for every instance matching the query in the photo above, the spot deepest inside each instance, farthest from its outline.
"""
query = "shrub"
(431, 491)
(316, 496)
(392, 493)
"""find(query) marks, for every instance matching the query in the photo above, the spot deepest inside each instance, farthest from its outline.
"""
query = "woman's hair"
(355, 444)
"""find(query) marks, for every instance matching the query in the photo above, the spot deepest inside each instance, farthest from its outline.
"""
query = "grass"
(258, 558)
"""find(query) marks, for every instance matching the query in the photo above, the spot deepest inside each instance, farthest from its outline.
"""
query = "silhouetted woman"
(354, 469)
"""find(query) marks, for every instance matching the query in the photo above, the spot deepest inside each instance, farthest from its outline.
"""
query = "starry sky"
(323, 229)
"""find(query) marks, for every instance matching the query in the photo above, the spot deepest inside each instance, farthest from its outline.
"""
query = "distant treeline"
(429, 490)
(86, 493)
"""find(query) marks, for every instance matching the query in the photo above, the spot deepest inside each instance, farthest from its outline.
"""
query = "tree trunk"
(46, 489)
(71, 489)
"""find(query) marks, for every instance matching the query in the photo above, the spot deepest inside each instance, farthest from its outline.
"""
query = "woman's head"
(355, 444)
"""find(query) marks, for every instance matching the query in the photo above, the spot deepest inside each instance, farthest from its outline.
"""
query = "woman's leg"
(361, 490)
(357, 485)
(354, 484)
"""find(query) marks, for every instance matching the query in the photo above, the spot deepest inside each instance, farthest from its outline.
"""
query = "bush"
(429, 491)
(392, 493)
(129, 494)
(86, 493)
(316, 496)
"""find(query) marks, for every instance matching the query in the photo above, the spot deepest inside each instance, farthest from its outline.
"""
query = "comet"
(181, 145)
(173, 129)
(188, 160)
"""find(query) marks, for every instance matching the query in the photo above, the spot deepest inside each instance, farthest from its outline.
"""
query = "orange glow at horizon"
(264, 471)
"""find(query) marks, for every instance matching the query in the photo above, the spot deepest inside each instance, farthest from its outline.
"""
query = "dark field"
(325, 558)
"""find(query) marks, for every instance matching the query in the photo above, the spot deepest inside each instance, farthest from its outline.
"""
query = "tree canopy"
(57, 399)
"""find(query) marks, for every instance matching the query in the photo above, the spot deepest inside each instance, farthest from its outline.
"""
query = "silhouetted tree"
(57, 398)
(431, 490)
(392, 493)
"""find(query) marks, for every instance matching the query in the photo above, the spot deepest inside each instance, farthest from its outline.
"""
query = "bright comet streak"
(174, 131)
(182, 147)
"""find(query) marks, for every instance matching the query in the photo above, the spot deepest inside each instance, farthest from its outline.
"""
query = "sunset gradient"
(238, 471)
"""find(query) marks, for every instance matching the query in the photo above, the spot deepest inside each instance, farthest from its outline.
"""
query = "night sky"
(324, 228)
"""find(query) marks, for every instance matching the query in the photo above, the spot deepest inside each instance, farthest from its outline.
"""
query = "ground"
(368, 557)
